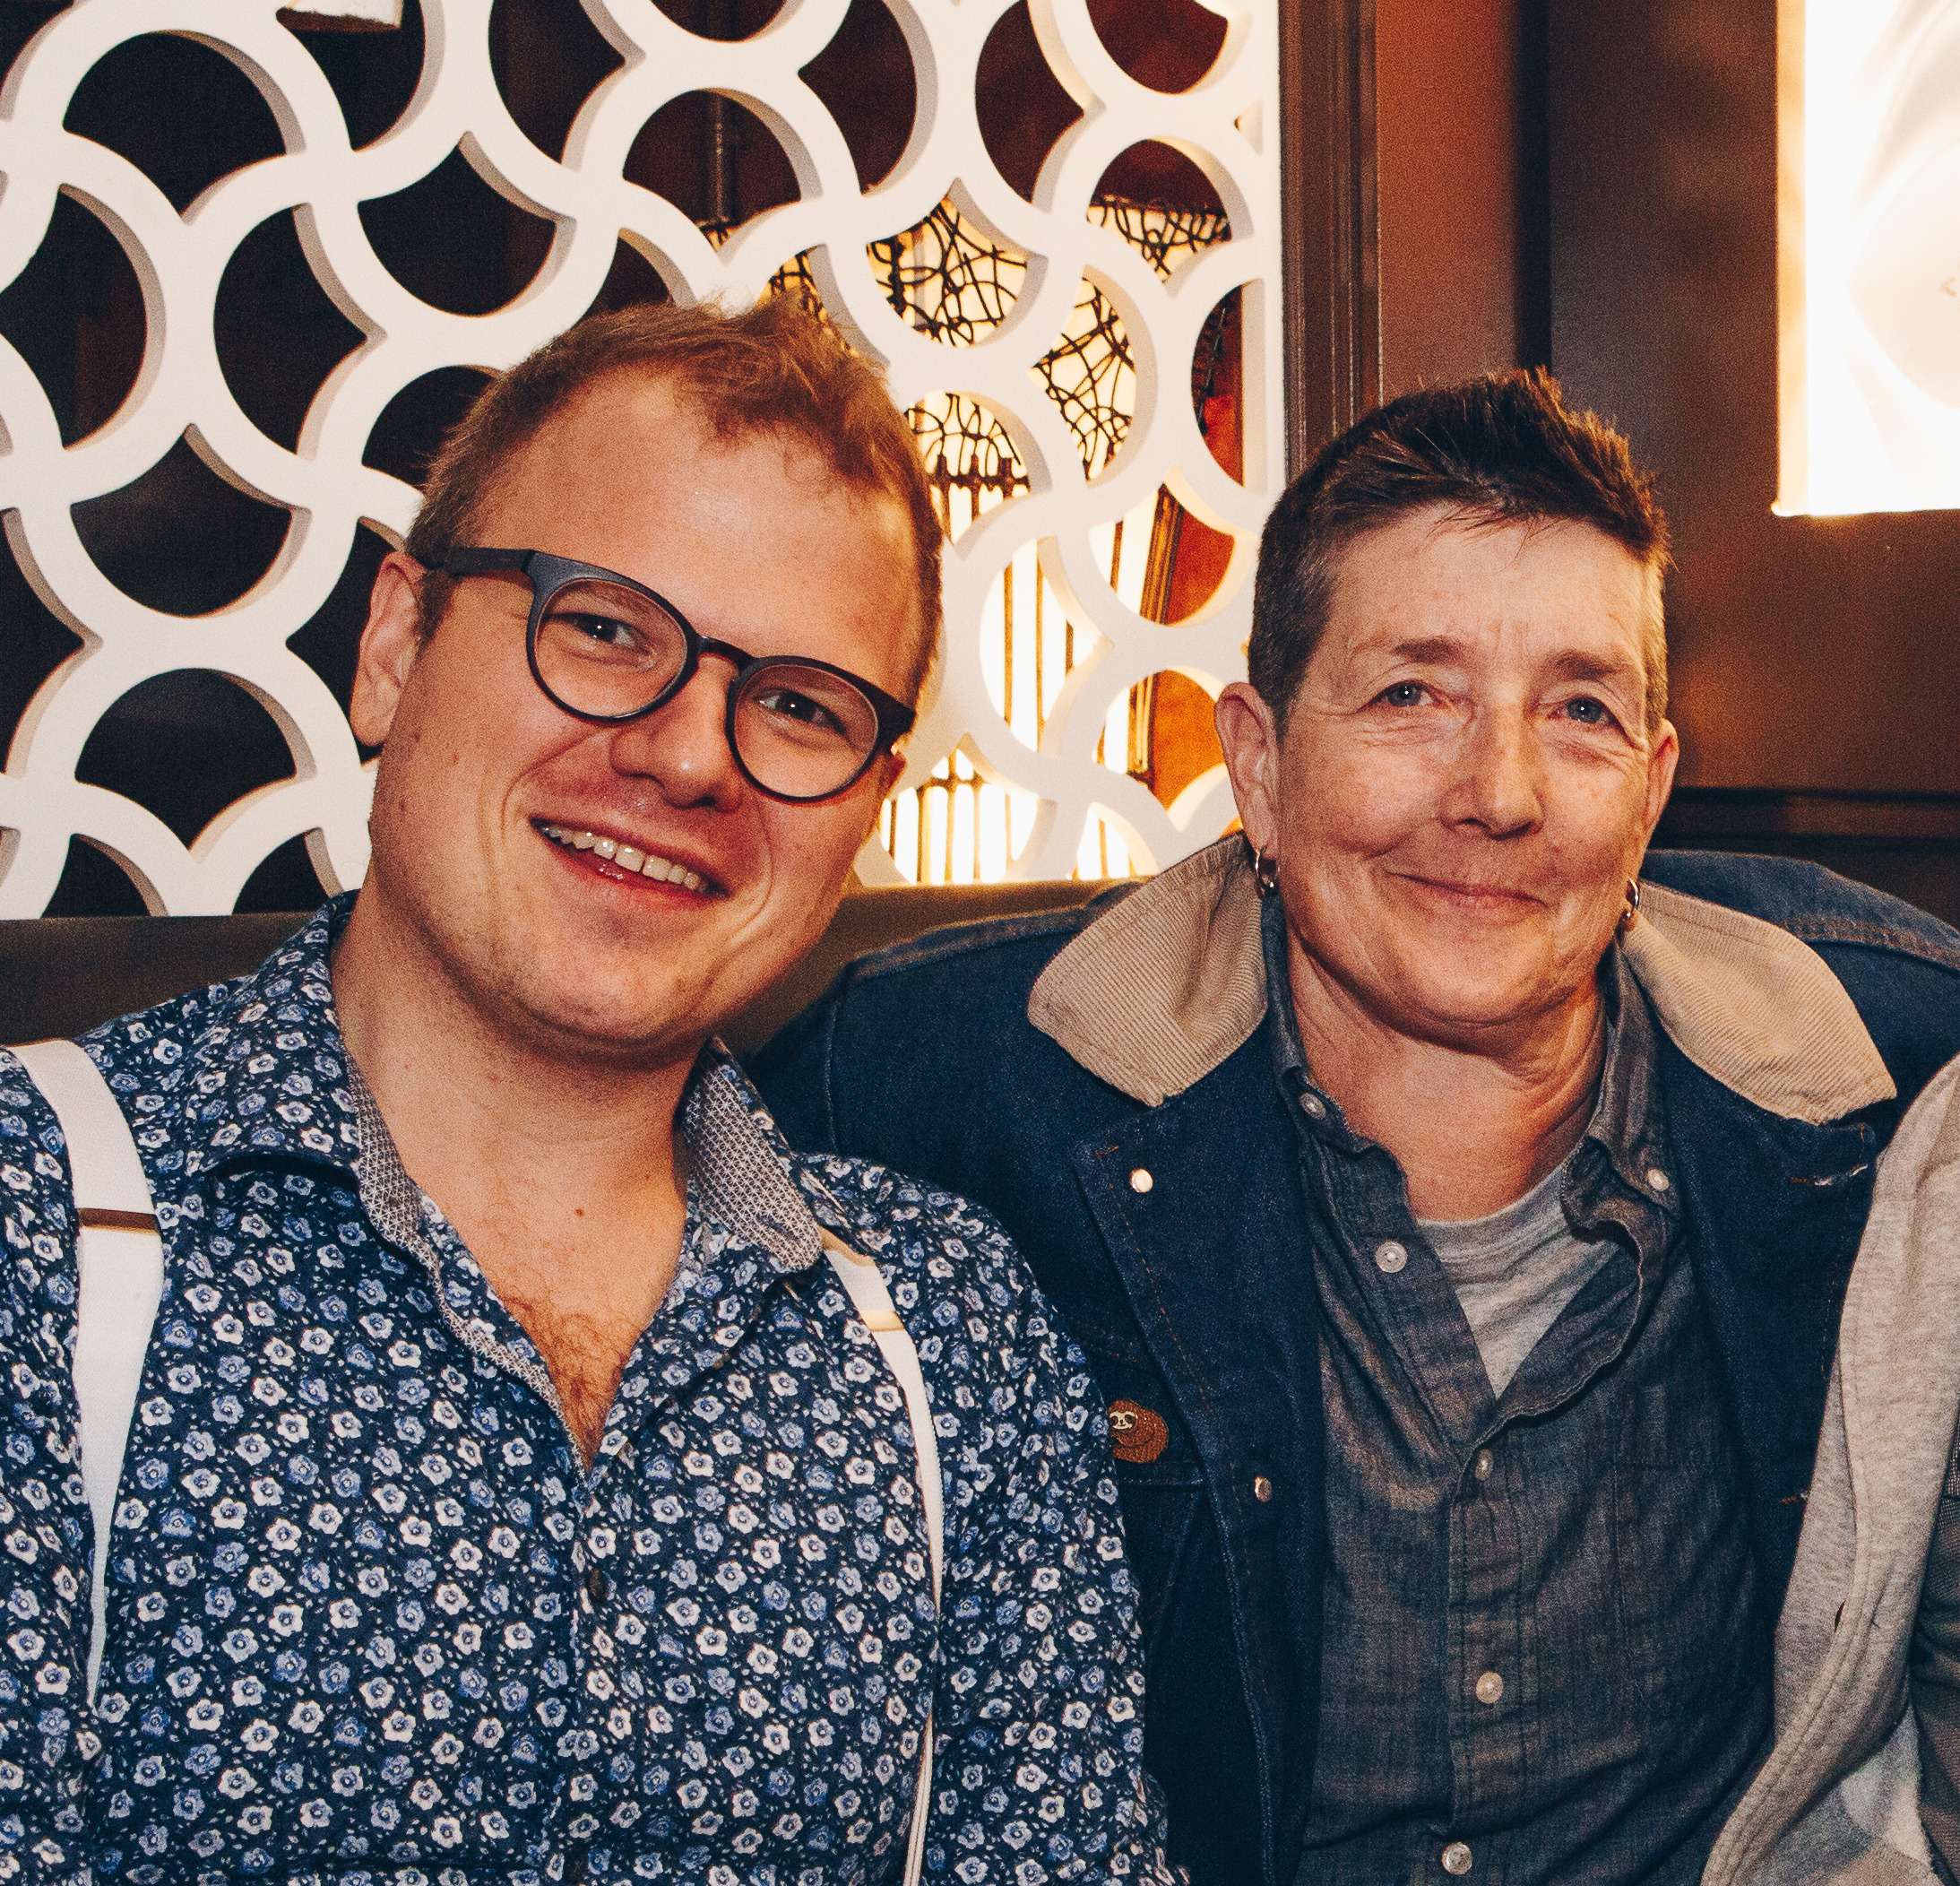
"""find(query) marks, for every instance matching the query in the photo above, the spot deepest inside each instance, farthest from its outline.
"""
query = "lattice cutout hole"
(1167, 45)
(455, 243)
(196, 118)
(413, 424)
(714, 160)
(1021, 105)
(971, 461)
(373, 76)
(1090, 376)
(545, 60)
(180, 539)
(185, 745)
(1030, 643)
(38, 642)
(1217, 385)
(866, 80)
(1160, 203)
(75, 315)
(279, 333)
(959, 828)
(952, 276)
(329, 642)
(96, 883)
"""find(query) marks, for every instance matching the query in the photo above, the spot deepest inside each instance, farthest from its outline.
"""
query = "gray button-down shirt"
(1540, 1632)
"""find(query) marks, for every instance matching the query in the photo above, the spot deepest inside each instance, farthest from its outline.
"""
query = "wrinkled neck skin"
(555, 1159)
(1475, 1117)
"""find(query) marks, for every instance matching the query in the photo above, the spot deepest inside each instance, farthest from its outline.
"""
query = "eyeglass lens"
(606, 650)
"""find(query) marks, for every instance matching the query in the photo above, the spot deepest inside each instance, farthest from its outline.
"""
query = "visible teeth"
(630, 858)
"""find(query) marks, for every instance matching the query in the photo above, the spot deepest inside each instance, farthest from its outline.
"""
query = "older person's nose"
(1499, 780)
(682, 745)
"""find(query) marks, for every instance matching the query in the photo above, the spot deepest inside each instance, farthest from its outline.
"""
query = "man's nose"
(1500, 778)
(683, 744)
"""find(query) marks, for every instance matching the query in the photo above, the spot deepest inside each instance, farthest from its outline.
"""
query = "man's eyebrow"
(1576, 665)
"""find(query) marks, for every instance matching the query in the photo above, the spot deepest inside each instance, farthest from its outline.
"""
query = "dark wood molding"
(1330, 289)
(1705, 815)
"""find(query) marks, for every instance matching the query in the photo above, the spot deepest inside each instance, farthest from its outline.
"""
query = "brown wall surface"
(1452, 111)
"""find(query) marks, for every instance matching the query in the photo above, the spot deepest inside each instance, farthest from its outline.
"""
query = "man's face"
(757, 544)
(1467, 781)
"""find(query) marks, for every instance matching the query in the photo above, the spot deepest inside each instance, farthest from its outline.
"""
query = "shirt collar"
(245, 1101)
(243, 1096)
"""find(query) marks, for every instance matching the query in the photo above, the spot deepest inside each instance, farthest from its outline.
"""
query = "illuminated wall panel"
(1869, 270)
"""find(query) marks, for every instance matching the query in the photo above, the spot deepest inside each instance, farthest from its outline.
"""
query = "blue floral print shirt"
(371, 1620)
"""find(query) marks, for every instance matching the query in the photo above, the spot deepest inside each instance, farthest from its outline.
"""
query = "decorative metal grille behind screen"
(1091, 362)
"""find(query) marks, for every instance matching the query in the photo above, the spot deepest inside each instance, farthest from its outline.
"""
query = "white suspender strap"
(864, 1286)
(120, 1259)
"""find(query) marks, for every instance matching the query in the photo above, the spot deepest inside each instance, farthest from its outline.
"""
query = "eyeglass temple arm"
(479, 563)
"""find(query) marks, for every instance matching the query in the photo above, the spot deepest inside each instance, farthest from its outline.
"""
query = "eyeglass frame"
(895, 720)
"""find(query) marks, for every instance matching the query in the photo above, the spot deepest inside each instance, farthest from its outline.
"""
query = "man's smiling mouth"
(631, 859)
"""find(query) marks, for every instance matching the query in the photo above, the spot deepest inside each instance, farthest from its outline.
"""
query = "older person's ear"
(1251, 741)
(389, 646)
(1661, 766)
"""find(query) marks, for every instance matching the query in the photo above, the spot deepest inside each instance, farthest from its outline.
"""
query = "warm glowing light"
(1869, 269)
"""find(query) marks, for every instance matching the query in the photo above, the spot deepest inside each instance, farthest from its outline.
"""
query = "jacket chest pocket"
(1157, 1478)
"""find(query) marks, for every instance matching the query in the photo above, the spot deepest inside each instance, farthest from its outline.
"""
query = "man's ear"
(886, 770)
(389, 646)
(1251, 741)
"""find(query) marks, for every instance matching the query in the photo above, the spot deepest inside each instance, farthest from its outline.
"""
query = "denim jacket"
(1102, 1079)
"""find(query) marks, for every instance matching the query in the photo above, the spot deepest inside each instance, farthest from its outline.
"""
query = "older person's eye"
(1587, 712)
(1403, 694)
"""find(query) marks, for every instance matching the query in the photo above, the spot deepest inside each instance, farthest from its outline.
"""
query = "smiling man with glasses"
(530, 1476)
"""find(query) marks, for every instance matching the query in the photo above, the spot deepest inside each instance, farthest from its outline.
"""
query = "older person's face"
(758, 545)
(1467, 781)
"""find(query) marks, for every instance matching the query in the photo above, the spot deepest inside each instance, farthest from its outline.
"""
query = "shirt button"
(1490, 1687)
(1456, 1857)
(1261, 1488)
(1657, 1179)
(1141, 1180)
(598, 1587)
(1481, 1462)
(1390, 1257)
(1312, 1105)
(575, 1864)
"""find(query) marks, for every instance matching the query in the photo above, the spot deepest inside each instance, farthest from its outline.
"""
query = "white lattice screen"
(1028, 735)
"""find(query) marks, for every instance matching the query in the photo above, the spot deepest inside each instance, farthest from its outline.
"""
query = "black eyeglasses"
(607, 649)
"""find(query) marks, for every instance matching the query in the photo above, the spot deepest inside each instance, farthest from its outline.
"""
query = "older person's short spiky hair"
(772, 367)
(1502, 449)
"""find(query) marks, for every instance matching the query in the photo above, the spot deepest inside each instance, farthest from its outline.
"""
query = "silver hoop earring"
(1629, 916)
(1266, 872)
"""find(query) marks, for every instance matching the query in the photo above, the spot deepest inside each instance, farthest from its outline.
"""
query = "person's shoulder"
(935, 1246)
(996, 952)
(1815, 905)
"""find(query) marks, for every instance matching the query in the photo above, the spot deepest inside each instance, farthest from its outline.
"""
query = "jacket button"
(1456, 1857)
(598, 1588)
(1261, 1488)
(1312, 1105)
(1489, 1688)
(1657, 1179)
(1481, 1462)
(1141, 1180)
(1390, 1257)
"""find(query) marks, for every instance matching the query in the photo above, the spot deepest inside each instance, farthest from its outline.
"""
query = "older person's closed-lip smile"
(1466, 894)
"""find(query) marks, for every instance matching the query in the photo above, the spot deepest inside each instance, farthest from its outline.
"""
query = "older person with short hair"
(1454, 1202)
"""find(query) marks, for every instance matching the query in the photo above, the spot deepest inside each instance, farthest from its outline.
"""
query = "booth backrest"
(60, 975)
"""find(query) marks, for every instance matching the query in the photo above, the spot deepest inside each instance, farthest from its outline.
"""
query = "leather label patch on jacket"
(1137, 1434)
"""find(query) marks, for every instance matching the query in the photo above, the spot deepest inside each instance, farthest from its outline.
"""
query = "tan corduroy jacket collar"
(1162, 988)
